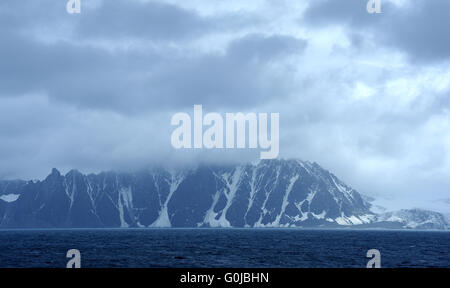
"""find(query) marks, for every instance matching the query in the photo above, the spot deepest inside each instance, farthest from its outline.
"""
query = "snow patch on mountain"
(125, 203)
(9, 197)
(163, 218)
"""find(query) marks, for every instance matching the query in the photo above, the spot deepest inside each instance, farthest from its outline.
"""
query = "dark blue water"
(223, 248)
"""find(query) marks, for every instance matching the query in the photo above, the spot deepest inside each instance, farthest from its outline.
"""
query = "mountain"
(414, 219)
(271, 193)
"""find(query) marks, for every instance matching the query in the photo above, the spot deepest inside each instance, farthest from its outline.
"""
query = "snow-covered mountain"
(271, 193)
(415, 219)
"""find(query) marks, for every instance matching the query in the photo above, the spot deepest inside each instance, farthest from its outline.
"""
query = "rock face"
(272, 193)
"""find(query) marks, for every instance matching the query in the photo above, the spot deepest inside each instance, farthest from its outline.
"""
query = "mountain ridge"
(269, 193)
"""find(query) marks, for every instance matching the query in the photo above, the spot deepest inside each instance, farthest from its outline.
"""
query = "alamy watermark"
(373, 6)
(73, 6)
(375, 261)
(220, 133)
(75, 258)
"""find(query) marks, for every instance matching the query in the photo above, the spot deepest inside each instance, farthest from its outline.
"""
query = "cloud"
(418, 28)
(147, 20)
(134, 81)
(421, 30)
(242, 77)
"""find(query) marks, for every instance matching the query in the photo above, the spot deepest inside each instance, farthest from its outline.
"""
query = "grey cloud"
(136, 80)
(240, 78)
(152, 20)
(420, 28)
(155, 21)
(83, 75)
(132, 81)
(117, 19)
(265, 48)
(25, 16)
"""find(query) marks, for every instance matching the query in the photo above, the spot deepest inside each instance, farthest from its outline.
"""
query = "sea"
(223, 248)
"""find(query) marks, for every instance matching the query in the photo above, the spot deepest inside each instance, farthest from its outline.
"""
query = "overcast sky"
(367, 96)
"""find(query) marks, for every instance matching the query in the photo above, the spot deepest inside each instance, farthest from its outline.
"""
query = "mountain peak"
(55, 172)
(73, 172)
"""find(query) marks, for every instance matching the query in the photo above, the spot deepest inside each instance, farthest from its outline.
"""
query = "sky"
(366, 96)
